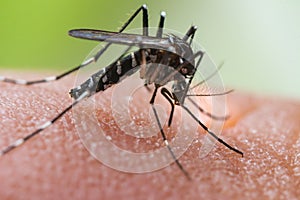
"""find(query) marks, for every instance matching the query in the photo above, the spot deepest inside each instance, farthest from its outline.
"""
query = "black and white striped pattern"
(109, 75)
(47, 79)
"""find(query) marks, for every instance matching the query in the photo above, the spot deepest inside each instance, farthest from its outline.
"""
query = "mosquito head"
(181, 47)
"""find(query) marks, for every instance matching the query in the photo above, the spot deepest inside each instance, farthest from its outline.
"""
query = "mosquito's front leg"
(211, 133)
(167, 94)
(164, 135)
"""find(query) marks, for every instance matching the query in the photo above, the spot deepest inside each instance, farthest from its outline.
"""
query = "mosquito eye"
(184, 70)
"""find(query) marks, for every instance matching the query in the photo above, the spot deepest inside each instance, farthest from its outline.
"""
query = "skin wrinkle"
(55, 164)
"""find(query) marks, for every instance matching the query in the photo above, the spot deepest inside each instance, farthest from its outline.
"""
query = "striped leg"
(211, 133)
(168, 95)
(159, 34)
(190, 34)
(143, 8)
(170, 99)
(208, 114)
(161, 24)
(143, 66)
(164, 136)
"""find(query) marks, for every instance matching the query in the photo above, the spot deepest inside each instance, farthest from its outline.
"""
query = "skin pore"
(56, 165)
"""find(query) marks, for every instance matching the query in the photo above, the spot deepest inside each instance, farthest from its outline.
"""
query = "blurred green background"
(258, 40)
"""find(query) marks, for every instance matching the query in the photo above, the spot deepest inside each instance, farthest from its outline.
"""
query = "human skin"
(55, 164)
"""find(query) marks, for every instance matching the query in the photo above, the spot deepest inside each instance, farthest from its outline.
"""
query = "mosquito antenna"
(211, 133)
(210, 95)
(207, 113)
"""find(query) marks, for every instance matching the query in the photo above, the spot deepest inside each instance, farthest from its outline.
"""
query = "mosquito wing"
(140, 41)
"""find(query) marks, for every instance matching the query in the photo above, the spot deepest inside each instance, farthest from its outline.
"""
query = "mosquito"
(167, 50)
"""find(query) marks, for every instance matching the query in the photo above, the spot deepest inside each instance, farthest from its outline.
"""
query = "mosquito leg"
(168, 146)
(21, 141)
(159, 33)
(190, 33)
(47, 79)
(164, 136)
(143, 69)
(208, 95)
(143, 8)
(143, 65)
(154, 95)
(161, 24)
(167, 94)
(207, 113)
(211, 133)
(145, 20)
(147, 87)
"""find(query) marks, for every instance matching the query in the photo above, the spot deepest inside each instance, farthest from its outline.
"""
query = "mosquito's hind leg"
(211, 133)
(205, 112)
(167, 94)
(210, 115)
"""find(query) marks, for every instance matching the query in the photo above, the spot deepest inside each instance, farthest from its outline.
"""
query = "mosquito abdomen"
(109, 75)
